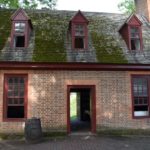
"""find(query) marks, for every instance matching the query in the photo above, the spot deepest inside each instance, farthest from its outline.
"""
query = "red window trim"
(140, 37)
(132, 95)
(93, 105)
(5, 119)
(14, 33)
(85, 37)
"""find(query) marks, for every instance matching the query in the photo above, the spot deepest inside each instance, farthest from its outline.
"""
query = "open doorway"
(81, 109)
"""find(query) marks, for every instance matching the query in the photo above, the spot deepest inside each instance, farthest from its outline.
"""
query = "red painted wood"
(93, 95)
(125, 30)
(132, 95)
(134, 21)
(5, 119)
(20, 17)
(125, 34)
(68, 110)
(93, 109)
(79, 19)
(73, 66)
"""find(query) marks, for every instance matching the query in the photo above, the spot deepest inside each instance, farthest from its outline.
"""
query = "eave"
(73, 66)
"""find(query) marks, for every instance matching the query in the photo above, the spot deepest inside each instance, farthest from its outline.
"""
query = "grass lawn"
(73, 106)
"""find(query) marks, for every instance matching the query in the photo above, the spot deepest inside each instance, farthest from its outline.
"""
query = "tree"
(30, 4)
(127, 6)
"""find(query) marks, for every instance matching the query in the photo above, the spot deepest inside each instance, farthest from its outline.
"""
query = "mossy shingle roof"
(51, 35)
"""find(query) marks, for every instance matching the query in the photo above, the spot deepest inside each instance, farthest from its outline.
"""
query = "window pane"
(19, 27)
(15, 96)
(21, 101)
(140, 96)
(10, 80)
(134, 31)
(15, 100)
(136, 101)
(10, 101)
(79, 30)
(140, 87)
(10, 93)
(21, 80)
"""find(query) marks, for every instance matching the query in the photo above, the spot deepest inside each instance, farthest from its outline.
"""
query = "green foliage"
(50, 34)
(127, 6)
(5, 26)
(30, 4)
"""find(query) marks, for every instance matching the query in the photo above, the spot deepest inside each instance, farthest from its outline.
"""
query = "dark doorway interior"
(79, 42)
(80, 109)
(19, 41)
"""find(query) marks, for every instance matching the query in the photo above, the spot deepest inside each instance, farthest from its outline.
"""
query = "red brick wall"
(143, 7)
(47, 99)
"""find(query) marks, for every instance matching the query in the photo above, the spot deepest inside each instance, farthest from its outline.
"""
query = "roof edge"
(73, 66)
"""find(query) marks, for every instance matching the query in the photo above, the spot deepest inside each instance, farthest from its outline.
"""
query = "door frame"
(93, 103)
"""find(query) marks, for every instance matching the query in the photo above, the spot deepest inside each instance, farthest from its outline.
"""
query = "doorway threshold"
(82, 134)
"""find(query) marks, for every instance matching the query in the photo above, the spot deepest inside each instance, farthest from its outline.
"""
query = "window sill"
(135, 51)
(79, 49)
(141, 117)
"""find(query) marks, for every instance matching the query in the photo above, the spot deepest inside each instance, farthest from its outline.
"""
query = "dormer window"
(132, 34)
(21, 29)
(79, 31)
(79, 37)
(135, 38)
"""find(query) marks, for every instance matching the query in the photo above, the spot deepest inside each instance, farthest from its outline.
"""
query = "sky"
(89, 5)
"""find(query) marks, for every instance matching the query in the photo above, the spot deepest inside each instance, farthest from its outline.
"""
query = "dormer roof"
(79, 17)
(131, 20)
(20, 14)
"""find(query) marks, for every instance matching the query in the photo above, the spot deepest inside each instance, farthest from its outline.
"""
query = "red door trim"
(93, 97)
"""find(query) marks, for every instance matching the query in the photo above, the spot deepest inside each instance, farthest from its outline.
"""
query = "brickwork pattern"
(142, 7)
(47, 99)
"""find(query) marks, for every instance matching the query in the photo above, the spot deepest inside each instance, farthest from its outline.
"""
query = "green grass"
(73, 106)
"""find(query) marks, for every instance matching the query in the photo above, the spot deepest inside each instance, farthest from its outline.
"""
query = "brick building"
(102, 57)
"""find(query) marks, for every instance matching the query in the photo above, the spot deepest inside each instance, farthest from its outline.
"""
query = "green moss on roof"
(5, 26)
(103, 32)
(50, 33)
(106, 52)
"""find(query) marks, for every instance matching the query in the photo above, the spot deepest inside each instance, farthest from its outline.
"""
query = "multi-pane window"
(15, 96)
(79, 30)
(135, 38)
(79, 36)
(19, 27)
(140, 85)
(19, 36)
